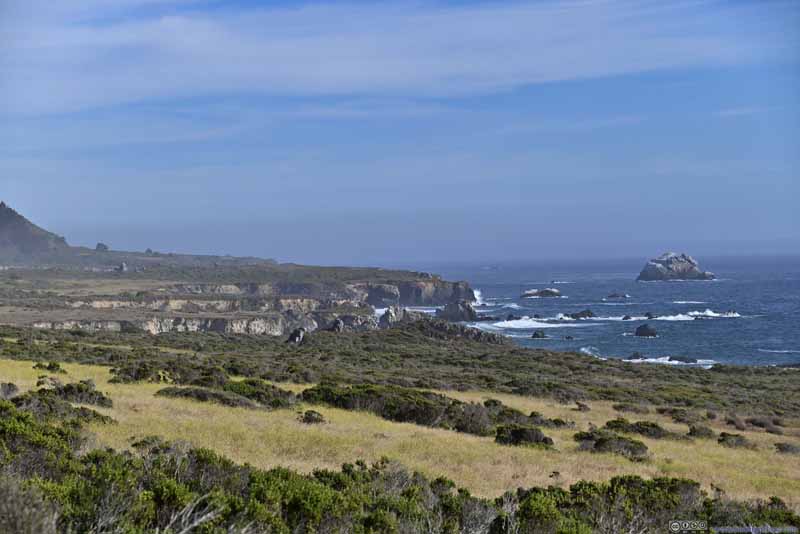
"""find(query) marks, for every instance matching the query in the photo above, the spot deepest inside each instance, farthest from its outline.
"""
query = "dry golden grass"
(268, 439)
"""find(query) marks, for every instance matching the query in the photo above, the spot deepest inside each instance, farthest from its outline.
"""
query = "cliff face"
(430, 292)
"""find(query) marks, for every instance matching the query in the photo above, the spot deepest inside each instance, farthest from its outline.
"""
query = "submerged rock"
(646, 330)
(672, 266)
(539, 334)
(618, 296)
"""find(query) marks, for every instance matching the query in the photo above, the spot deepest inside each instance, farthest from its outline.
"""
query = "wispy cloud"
(740, 112)
(105, 53)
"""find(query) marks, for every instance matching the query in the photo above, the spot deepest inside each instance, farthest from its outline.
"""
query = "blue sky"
(395, 132)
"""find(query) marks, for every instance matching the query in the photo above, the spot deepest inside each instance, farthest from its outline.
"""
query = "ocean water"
(750, 315)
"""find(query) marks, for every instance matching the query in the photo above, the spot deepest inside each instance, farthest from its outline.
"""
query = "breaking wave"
(478, 297)
(689, 302)
(526, 323)
(594, 352)
(666, 360)
(780, 351)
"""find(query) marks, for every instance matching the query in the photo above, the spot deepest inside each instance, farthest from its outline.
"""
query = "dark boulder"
(101, 247)
(584, 314)
(627, 318)
(336, 326)
(651, 315)
(297, 336)
(646, 330)
(539, 334)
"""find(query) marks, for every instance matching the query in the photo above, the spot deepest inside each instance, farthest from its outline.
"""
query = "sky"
(399, 132)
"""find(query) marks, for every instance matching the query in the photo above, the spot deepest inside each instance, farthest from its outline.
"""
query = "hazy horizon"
(405, 133)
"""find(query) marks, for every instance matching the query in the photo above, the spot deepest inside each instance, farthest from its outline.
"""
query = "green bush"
(606, 441)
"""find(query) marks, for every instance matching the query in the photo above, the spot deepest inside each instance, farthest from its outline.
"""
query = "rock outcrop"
(396, 314)
(672, 266)
(584, 314)
(646, 330)
(457, 312)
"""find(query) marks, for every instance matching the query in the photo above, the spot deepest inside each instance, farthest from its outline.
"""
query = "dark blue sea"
(750, 315)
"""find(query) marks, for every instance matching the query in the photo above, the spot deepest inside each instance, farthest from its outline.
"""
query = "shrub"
(82, 392)
(51, 367)
(701, 431)
(734, 421)
(770, 424)
(23, 510)
(734, 440)
(8, 390)
(787, 448)
(522, 435)
(631, 408)
(312, 417)
(606, 441)
(262, 392)
(680, 415)
(645, 428)
(47, 404)
(225, 398)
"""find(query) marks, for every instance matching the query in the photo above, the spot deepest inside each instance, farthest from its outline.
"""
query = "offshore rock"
(672, 266)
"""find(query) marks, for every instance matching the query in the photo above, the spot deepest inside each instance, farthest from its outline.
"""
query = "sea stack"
(672, 266)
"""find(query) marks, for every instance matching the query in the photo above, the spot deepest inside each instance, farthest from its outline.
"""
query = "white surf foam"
(665, 360)
(526, 323)
(709, 313)
(379, 312)
(591, 351)
(478, 297)
(780, 351)
(688, 302)
(424, 309)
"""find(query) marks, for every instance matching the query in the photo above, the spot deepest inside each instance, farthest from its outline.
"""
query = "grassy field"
(277, 438)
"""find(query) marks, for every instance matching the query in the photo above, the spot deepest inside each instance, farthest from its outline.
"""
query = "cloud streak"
(149, 50)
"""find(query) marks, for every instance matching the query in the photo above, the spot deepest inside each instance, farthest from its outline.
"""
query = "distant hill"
(23, 241)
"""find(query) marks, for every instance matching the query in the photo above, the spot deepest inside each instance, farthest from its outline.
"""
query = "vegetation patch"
(169, 487)
(701, 431)
(421, 355)
(787, 448)
(629, 407)
(51, 367)
(680, 415)
(225, 398)
(522, 435)
(312, 417)
(261, 392)
(425, 408)
(735, 441)
(607, 441)
(644, 428)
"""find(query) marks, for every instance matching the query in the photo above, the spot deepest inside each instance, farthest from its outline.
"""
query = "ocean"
(750, 315)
